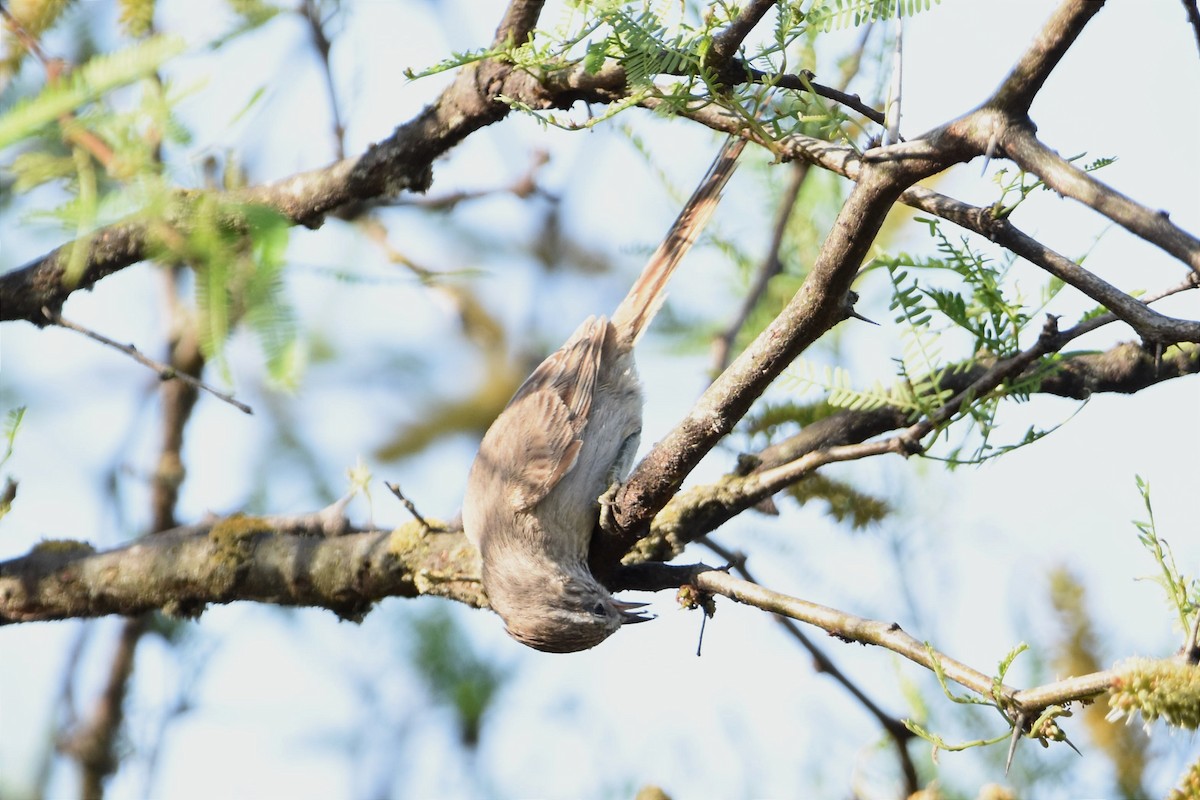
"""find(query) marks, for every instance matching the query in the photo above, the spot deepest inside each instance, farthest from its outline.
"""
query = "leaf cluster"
(237, 252)
(105, 151)
(1182, 593)
(981, 300)
(84, 85)
(835, 14)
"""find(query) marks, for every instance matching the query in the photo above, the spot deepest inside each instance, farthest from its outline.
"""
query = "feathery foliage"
(89, 82)
(237, 253)
(980, 300)
(1183, 594)
(833, 14)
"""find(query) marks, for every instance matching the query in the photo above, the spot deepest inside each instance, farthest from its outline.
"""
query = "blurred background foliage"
(396, 333)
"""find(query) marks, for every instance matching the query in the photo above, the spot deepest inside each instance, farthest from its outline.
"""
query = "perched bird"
(568, 435)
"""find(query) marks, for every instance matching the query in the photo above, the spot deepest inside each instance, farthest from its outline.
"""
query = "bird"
(563, 444)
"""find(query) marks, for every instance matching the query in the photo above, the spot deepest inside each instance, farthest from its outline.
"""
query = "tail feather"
(643, 301)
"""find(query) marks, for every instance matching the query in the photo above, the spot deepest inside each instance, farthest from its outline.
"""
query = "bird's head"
(560, 613)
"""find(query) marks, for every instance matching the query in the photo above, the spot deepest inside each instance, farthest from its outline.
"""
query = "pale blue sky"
(274, 713)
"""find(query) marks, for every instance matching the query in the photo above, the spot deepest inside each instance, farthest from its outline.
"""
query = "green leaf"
(12, 424)
(92, 80)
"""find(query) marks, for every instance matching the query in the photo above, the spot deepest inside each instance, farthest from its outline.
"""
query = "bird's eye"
(599, 609)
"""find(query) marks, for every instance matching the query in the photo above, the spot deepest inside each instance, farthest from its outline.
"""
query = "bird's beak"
(629, 612)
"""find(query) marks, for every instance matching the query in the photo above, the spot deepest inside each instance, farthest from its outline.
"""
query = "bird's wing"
(554, 404)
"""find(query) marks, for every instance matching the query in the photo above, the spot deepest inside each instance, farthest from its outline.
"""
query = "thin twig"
(824, 664)
(852, 628)
(408, 504)
(27, 40)
(1048, 342)
(726, 43)
(803, 83)
(164, 371)
(316, 26)
(739, 71)
(1023, 147)
(760, 485)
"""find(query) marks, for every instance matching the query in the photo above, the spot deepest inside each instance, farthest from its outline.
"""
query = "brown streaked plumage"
(568, 434)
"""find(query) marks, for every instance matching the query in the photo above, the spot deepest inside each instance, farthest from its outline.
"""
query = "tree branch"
(238, 558)
(1021, 145)
(851, 628)
(164, 371)
(316, 560)
(819, 305)
(1193, 17)
(1030, 73)
(883, 176)
(1149, 323)
(402, 162)
(850, 435)
(822, 663)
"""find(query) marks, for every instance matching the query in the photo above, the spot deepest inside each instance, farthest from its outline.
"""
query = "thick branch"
(851, 435)
(1149, 323)
(239, 558)
(1021, 145)
(818, 306)
(520, 18)
(725, 44)
(1018, 90)
(402, 162)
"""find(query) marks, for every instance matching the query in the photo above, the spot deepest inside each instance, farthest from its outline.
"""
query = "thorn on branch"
(1018, 727)
(848, 308)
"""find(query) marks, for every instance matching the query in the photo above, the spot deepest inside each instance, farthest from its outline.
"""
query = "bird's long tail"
(647, 294)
